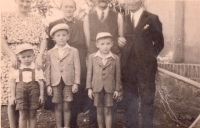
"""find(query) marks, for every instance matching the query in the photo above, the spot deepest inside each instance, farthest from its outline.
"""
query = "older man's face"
(68, 7)
(133, 5)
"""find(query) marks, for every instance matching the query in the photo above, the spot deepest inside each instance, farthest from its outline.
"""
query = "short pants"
(27, 95)
(103, 99)
(62, 92)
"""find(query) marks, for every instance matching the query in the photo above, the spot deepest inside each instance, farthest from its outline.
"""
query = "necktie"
(102, 16)
(133, 22)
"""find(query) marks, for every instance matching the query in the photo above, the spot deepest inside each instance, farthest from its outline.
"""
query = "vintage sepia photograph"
(100, 63)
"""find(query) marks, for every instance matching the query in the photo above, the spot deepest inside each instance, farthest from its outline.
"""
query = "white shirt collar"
(66, 46)
(99, 12)
(99, 55)
(31, 66)
(138, 13)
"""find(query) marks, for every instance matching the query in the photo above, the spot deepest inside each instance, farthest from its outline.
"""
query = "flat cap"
(103, 35)
(23, 47)
(58, 27)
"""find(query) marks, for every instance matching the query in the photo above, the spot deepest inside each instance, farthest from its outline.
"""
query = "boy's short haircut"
(57, 27)
(23, 47)
(103, 35)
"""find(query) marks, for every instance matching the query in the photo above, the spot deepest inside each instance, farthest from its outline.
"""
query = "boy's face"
(61, 37)
(104, 45)
(26, 57)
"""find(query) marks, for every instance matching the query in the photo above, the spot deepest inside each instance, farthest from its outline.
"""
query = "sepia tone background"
(177, 101)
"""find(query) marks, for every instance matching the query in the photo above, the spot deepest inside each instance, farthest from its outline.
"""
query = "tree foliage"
(44, 7)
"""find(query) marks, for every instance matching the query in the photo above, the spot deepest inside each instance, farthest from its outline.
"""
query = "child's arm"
(13, 92)
(41, 84)
(89, 78)
(77, 68)
(48, 74)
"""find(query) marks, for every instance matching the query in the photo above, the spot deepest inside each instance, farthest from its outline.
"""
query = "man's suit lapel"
(129, 26)
(142, 21)
(67, 50)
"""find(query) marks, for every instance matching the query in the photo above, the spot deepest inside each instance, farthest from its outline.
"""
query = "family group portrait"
(100, 64)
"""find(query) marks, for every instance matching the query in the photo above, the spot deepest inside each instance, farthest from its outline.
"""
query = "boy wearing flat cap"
(27, 86)
(103, 78)
(62, 73)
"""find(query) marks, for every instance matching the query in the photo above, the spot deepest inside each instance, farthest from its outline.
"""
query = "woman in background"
(19, 27)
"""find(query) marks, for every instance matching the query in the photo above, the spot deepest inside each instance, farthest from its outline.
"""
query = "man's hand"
(74, 88)
(121, 41)
(49, 91)
(90, 94)
(38, 61)
(12, 101)
(41, 99)
(116, 94)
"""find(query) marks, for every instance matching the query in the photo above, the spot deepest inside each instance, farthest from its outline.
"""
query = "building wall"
(188, 45)
(192, 32)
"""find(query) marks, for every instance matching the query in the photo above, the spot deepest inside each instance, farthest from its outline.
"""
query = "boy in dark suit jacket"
(143, 33)
(103, 78)
(62, 73)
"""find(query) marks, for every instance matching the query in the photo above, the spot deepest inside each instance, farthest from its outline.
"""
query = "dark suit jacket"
(144, 43)
(101, 76)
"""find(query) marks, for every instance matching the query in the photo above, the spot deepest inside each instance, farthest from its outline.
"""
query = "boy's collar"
(99, 55)
(66, 46)
(31, 66)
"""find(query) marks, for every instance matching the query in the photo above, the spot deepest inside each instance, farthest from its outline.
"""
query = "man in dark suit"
(144, 41)
(76, 40)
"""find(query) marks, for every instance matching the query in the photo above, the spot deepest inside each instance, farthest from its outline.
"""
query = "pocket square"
(146, 26)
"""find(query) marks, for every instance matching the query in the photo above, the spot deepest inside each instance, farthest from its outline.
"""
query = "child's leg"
(67, 113)
(32, 118)
(13, 116)
(108, 117)
(23, 118)
(58, 114)
(100, 117)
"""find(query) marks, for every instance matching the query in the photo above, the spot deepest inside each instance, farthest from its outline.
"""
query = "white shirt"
(27, 75)
(136, 16)
(61, 50)
(104, 59)
(99, 13)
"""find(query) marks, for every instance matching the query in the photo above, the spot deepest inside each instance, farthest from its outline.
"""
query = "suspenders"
(26, 69)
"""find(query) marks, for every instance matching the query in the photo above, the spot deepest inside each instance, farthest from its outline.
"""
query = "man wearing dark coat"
(144, 41)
